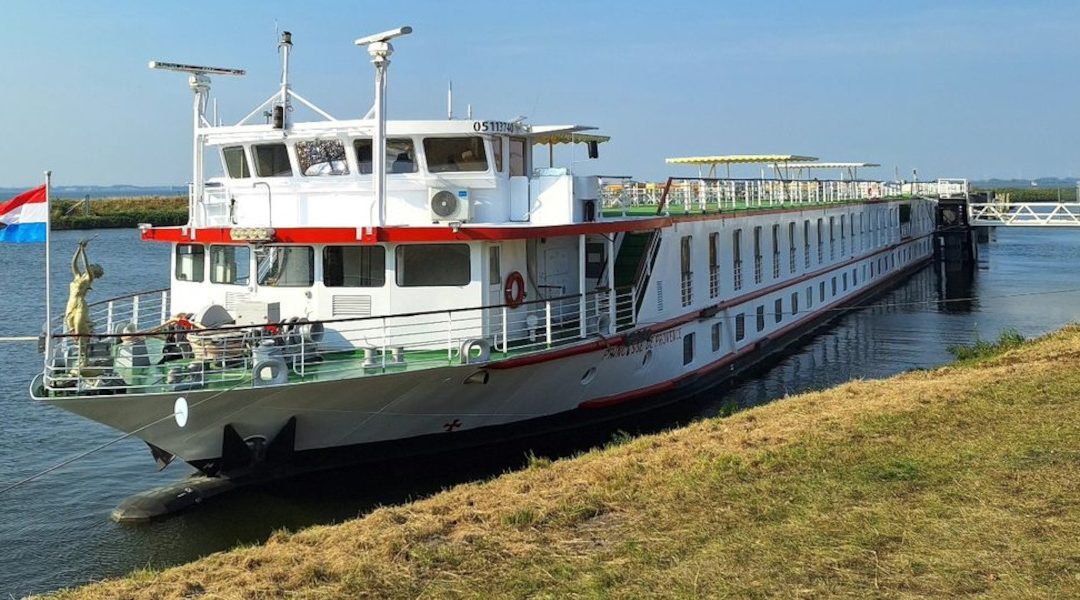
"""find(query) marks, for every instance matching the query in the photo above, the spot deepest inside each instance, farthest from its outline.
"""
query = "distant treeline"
(112, 213)
(1034, 194)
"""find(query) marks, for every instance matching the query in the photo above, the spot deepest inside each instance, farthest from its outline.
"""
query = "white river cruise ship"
(355, 289)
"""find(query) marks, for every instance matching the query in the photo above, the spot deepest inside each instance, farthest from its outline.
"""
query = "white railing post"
(613, 313)
(109, 317)
(505, 331)
(135, 311)
(633, 304)
(582, 311)
(449, 336)
(383, 351)
(164, 306)
(547, 324)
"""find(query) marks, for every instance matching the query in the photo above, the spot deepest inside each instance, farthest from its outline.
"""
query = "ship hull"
(350, 421)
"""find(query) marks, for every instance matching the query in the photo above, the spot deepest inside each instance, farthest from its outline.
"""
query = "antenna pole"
(285, 46)
(379, 48)
(200, 86)
(450, 100)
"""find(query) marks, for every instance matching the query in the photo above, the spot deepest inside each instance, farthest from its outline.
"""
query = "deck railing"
(178, 356)
(689, 194)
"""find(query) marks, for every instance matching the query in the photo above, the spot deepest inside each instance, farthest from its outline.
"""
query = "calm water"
(55, 532)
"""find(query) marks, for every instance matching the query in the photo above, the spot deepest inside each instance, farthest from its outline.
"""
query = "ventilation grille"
(351, 306)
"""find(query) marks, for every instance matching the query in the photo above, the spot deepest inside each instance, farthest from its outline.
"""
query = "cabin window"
(321, 157)
(272, 160)
(687, 275)
(517, 157)
(809, 296)
(285, 266)
(821, 291)
(450, 155)
(757, 255)
(433, 265)
(236, 162)
(497, 150)
(354, 266)
(834, 286)
(791, 247)
(714, 265)
(736, 258)
(740, 327)
(778, 310)
(761, 318)
(230, 264)
(716, 339)
(688, 349)
(190, 262)
(794, 303)
(400, 155)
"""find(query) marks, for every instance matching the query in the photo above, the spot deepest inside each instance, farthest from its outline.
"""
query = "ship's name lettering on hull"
(659, 339)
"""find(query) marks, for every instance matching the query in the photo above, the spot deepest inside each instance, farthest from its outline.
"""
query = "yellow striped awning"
(731, 159)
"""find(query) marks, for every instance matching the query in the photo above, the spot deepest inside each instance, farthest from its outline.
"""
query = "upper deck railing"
(687, 194)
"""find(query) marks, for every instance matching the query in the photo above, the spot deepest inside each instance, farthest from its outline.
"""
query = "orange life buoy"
(514, 290)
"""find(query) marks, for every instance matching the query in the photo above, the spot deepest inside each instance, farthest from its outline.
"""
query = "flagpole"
(48, 270)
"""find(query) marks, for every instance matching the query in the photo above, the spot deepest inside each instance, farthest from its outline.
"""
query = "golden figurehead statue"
(77, 315)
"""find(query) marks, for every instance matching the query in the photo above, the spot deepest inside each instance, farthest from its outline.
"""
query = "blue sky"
(967, 88)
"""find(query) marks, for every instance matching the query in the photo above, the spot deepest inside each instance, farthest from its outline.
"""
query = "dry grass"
(964, 481)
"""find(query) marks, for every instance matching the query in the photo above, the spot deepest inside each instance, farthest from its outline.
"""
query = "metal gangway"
(1005, 213)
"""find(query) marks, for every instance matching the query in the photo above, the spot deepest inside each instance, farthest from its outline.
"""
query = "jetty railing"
(179, 355)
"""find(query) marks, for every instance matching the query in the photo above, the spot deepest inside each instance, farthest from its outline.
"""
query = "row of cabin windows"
(342, 266)
(714, 253)
(883, 263)
(327, 157)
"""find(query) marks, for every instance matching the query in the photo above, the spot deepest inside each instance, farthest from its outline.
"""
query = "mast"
(379, 49)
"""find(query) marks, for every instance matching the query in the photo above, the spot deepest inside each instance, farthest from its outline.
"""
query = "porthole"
(588, 376)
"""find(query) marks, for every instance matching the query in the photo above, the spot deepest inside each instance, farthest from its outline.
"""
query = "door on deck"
(494, 282)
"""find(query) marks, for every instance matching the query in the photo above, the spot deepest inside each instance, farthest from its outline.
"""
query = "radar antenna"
(199, 82)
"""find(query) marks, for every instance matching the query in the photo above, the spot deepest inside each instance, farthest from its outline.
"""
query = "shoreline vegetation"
(961, 480)
(113, 213)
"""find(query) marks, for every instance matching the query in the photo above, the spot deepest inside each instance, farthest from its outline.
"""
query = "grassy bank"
(959, 481)
(108, 213)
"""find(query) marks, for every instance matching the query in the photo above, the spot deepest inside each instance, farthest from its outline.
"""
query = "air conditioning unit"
(449, 205)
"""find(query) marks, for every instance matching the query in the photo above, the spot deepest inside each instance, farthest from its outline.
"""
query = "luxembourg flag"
(24, 218)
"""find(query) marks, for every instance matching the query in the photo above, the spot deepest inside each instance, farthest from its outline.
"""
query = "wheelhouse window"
(272, 160)
(285, 266)
(433, 265)
(400, 155)
(321, 157)
(458, 154)
(230, 264)
(236, 163)
(517, 156)
(497, 150)
(190, 262)
(354, 266)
